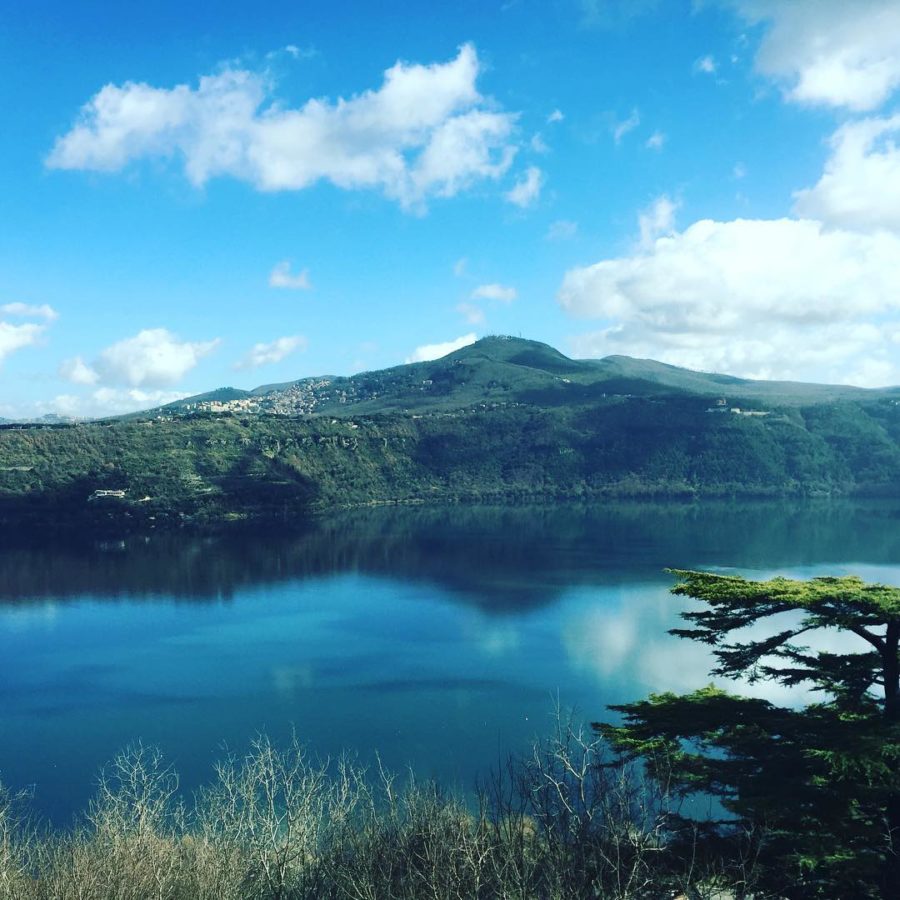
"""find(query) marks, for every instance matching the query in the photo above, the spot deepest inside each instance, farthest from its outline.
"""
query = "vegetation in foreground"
(275, 824)
(819, 783)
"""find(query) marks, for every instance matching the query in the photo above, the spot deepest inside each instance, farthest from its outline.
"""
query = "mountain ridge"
(501, 368)
(503, 420)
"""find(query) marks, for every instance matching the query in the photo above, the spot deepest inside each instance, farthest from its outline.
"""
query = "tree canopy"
(807, 798)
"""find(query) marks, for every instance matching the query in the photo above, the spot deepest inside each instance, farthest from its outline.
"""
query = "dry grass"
(278, 824)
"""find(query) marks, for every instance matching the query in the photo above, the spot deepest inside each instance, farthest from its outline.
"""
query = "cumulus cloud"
(273, 352)
(29, 311)
(706, 65)
(501, 292)
(860, 187)
(426, 131)
(281, 277)
(27, 334)
(782, 298)
(153, 358)
(78, 371)
(829, 52)
(428, 352)
(107, 401)
(555, 116)
(15, 337)
(656, 141)
(527, 189)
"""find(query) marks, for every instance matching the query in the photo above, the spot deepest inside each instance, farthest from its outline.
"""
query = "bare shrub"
(410, 842)
(278, 825)
(271, 809)
(16, 845)
(129, 847)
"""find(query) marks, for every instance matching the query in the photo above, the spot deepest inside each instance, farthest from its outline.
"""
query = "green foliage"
(503, 369)
(502, 420)
(819, 784)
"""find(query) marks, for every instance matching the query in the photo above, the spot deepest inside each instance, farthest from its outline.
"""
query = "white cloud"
(473, 314)
(562, 230)
(136, 399)
(273, 352)
(107, 401)
(500, 292)
(428, 352)
(739, 171)
(620, 129)
(29, 311)
(860, 187)
(527, 189)
(425, 132)
(779, 298)
(706, 65)
(555, 116)
(657, 219)
(459, 267)
(78, 371)
(15, 337)
(154, 357)
(656, 141)
(829, 52)
(281, 277)
(145, 364)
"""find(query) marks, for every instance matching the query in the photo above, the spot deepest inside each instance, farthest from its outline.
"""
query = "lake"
(442, 638)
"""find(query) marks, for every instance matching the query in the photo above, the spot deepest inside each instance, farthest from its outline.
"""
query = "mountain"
(709, 384)
(501, 420)
(502, 370)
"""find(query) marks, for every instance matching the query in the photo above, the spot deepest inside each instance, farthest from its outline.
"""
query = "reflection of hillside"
(485, 556)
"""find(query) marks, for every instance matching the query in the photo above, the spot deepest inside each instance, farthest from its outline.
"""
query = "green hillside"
(502, 420)
(505, 370)
(709, 384)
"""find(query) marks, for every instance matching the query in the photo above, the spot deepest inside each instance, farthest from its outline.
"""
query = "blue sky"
(195, 195)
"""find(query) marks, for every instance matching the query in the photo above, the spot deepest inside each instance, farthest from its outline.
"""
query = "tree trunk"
(890, 888)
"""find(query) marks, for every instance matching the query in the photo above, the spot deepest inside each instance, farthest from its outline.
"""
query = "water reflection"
(439, 637)
(483, 556)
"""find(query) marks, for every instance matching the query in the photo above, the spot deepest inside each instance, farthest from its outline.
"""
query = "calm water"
(441, 638)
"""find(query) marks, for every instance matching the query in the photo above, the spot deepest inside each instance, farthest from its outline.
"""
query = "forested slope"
(213, 468)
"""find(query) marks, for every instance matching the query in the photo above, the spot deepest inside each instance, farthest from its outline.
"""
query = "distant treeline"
(212, 469)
